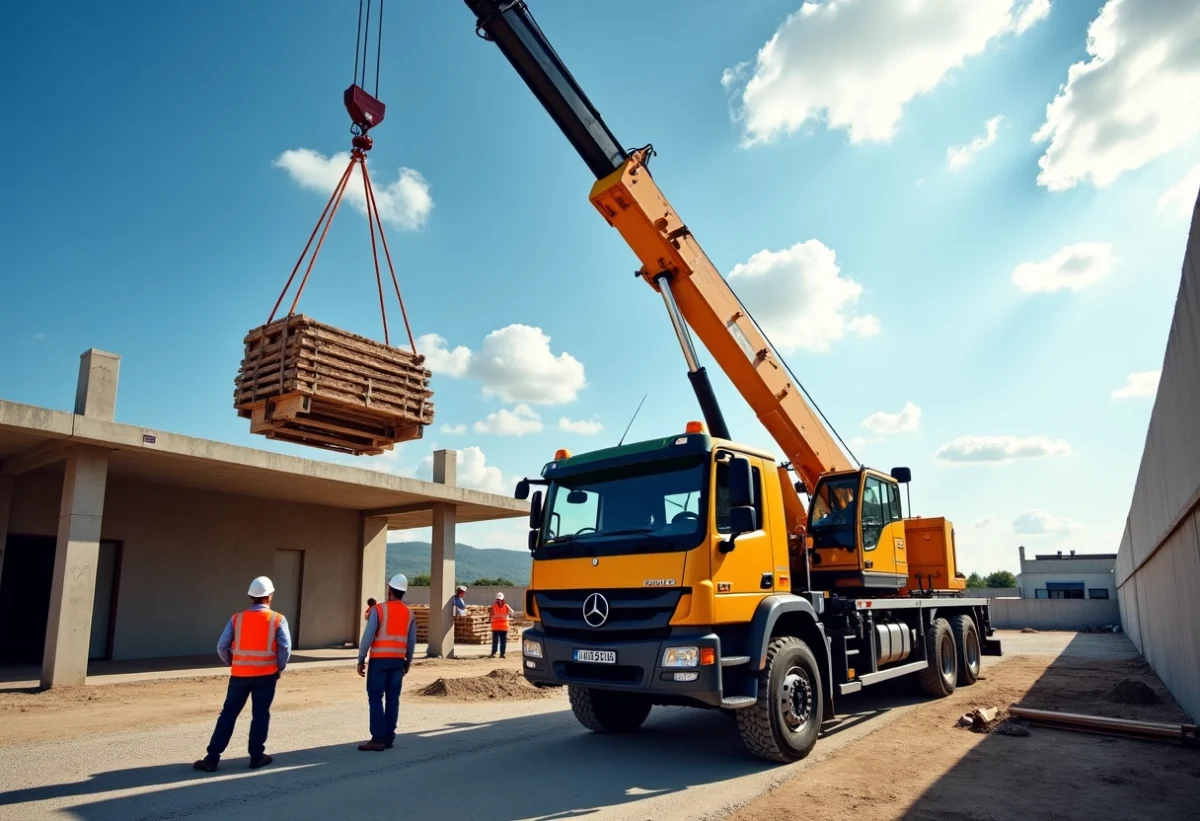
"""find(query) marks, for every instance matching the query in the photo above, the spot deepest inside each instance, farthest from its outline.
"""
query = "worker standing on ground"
(460, 601)
(500, 611)
(391, 638)
(256, 646)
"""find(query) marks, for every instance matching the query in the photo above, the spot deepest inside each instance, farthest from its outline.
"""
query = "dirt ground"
(33, 715)
(923, 767)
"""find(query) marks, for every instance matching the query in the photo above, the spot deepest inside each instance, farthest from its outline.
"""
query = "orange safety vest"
(499, 617)
(254, 652)
(391, 635)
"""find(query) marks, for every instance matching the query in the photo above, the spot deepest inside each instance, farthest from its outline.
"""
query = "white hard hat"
(260, 587)
(399, 582)
(500, 596)
(462, 588)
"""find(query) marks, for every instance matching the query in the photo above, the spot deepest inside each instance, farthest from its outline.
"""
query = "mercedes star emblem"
(595, 610)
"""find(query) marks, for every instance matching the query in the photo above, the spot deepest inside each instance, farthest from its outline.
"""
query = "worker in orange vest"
(499, 611)
(391, 638)
(256, 645)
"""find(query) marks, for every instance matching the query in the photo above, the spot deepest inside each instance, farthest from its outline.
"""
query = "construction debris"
(510, 684)
(980, 720)
(1029, 630)
(1129, 691)
(310, 383)
(473, 628)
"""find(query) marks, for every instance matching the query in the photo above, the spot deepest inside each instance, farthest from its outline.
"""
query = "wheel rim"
(972, 651)
(796, 699)
(947, 654)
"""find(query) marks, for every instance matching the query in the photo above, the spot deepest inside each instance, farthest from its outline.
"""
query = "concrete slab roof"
(33, 437)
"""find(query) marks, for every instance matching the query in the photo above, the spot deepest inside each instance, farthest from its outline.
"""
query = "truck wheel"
(940, 677)
(966, 637)
(783, 724)
(603, 711)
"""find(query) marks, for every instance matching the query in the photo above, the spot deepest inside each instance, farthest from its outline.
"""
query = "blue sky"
(169, 163)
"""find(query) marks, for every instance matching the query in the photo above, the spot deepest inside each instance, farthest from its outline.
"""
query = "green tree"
(500, 582)
(975, 580)
(419, 580)
(1002, 578)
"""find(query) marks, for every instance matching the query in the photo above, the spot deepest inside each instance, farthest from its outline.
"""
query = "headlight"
(532, 648)
(681, 657)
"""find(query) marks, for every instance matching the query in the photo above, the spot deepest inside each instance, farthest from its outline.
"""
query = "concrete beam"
(76, 556)
(38, 456)
(373, 565)
(396, 510)
(441, 562)
(96, 391)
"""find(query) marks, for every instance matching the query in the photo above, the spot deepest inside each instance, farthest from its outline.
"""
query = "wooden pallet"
(306, 382)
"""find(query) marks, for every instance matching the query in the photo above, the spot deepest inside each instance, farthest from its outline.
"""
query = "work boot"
(261, 761)
(208, 765)
(372, 746)
(492, 656)
(503, 656)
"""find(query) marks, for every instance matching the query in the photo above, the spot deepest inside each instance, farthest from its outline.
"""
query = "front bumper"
(638, 668)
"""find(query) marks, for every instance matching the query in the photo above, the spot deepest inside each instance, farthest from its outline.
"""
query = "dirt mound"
(497, 684)
(1129, 691)
(1029, 630)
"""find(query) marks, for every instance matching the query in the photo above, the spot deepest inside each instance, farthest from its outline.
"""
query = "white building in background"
(1067, 576)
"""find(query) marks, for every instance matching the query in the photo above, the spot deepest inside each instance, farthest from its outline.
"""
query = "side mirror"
(741, 487)
(522, 491)
(535, 511)
(801, 488)
(577, 497)
(742, 519)
(902, 475)
(533, 537)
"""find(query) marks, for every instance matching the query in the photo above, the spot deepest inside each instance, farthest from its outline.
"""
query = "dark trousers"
(385, 677)
(499, 640)
(261, 692)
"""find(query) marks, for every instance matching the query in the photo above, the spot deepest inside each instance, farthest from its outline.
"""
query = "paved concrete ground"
(511, 760)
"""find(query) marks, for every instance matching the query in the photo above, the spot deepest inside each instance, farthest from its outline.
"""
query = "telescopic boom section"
(629, 199)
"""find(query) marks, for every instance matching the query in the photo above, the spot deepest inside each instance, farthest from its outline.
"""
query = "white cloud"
(514, 363)
(516, 422)
(1000, 448)
(883, 423)
(959, 157)
(1072, 267)
(405, 202)
(1181, 197)
(855, 64)
(985, 522)
(1138, 385)
(1040, 523)
(800, 296)
(858, 444)
(40, 336)
(473, 471)
(1136, 98)
(454, 430)
(584, 427)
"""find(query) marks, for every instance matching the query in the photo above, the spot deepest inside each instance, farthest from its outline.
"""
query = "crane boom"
(673, 262)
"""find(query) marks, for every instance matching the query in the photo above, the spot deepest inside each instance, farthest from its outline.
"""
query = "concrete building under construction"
(120, 542)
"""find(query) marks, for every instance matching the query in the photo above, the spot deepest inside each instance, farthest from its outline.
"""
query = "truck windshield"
(832, 512)
(659, 502)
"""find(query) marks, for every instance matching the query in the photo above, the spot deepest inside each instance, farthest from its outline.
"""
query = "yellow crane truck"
(688, 570)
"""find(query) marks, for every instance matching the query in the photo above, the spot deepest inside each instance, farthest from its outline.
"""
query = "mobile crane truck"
(687, 570)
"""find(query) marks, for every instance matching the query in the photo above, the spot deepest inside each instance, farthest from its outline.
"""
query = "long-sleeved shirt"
(460, 606)
(368, 635)
(283, 640)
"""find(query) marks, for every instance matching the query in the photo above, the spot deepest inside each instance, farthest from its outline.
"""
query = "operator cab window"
(872, 512)
(722, 499)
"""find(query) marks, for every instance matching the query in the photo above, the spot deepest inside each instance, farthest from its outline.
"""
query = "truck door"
(882, 529)
(744, 575)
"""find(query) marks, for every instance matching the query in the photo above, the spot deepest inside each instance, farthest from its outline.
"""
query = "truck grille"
(633, 613)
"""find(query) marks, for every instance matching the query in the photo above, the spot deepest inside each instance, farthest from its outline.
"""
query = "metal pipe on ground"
(1184, 733)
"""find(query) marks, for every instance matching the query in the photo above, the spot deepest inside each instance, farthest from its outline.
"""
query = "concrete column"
(6, 494)
(441, 562)
(69, 627)
(96, 391)
(374, 564)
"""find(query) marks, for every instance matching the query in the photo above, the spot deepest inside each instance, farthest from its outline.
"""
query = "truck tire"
(941, 676)
(603, 711)
(783, 724)
(966, 639)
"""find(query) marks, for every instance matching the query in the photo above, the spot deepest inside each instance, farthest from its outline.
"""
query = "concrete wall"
(188, 557)
(515, 596)
(990, 592)
(1029, 583)
(1158, 563)
(1053, 614)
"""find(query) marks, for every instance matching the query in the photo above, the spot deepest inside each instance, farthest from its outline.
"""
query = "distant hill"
(471, 563)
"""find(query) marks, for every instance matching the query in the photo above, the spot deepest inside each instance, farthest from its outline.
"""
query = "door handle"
(767, 582)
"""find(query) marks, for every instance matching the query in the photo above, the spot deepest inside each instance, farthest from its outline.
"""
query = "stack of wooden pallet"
(473, 628)
(310, 383)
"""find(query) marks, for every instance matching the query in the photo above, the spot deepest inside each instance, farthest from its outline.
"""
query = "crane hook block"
(365, 111)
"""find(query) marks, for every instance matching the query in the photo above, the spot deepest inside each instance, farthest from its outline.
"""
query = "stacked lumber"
(473, 628)
(306, 382)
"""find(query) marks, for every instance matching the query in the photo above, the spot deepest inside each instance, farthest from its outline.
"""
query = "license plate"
(596, 656)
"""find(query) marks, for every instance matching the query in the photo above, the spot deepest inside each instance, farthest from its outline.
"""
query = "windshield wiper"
(642, 531)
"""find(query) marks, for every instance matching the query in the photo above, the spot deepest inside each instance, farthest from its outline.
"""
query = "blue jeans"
(499, 639)
(261, 692)
(384, 680)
